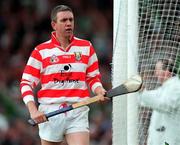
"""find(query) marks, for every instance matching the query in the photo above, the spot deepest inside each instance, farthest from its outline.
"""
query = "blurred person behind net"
(165, 102)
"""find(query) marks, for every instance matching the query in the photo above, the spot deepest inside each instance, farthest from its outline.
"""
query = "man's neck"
(64, 41)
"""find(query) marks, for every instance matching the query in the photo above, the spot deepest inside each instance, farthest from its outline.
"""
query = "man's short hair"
(59, 8)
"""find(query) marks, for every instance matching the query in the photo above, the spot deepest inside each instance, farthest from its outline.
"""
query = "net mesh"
(159, 39)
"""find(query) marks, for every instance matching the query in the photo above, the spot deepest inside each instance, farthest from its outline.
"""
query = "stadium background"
(23, 25)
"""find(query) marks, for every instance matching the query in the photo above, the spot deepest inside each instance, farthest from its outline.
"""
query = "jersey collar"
(55, 40)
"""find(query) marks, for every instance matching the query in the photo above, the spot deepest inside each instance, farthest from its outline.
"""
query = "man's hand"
(100, 91)
(36, 115)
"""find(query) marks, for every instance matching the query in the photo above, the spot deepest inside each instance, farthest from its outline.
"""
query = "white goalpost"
(124, 65)
(144, 31)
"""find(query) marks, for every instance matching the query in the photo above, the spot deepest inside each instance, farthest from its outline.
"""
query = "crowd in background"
(23, 25)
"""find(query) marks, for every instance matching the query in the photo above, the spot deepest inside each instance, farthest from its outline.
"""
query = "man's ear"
(53, 24)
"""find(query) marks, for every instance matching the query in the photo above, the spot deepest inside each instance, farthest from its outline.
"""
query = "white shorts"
(70, 122)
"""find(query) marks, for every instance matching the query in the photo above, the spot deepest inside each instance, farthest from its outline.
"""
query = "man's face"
(64, 26)
(161, 74)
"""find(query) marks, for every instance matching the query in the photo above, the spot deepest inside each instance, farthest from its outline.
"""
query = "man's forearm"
(31, 107)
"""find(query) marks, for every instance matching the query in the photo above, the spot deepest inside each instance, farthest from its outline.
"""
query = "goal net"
(145, 31)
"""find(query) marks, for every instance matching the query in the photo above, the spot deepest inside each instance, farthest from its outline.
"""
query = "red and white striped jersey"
(64, 75)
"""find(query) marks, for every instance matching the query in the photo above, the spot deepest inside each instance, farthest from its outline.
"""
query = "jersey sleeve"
(164, 99)
(31, 76)
(93, 76)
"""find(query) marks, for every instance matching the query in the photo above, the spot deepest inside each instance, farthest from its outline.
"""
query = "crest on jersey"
(78, 55)
(54, 59)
